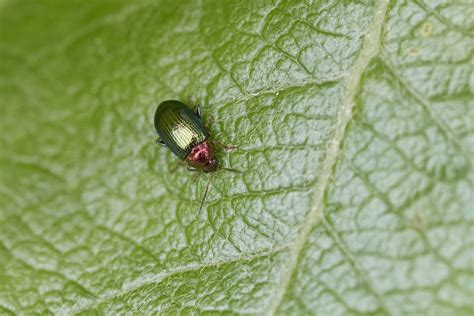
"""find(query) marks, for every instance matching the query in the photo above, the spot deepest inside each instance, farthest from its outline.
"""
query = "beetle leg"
(226, 148)
(231, 170)
(160, 142)
(209, 121)
(199, 111)
(175, 166)
(196, 173)
(191, 104)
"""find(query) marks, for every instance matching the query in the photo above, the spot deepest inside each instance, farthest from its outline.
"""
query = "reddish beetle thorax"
(202, 157)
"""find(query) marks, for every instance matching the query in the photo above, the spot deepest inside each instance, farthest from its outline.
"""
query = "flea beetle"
(182, 131)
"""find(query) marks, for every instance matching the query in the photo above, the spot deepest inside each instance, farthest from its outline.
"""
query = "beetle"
(183, 132)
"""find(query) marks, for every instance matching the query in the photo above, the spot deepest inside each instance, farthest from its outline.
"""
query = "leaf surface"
(354, 127)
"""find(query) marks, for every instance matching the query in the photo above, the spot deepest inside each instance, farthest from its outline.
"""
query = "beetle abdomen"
(178, 127)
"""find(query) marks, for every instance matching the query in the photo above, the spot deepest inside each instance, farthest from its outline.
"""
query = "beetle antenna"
(231, 170)
(205, 194)
(208, 185)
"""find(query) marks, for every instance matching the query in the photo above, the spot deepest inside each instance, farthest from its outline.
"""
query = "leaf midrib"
(370, 49)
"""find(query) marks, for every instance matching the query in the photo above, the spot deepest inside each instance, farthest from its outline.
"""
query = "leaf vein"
(370, 49)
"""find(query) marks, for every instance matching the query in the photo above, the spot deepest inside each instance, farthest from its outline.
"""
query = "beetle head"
(202, 157)
(212, 165)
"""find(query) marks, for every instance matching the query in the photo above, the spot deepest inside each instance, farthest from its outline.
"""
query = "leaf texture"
(353, 122)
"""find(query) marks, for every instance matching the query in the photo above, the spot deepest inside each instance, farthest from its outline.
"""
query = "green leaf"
(354, 127)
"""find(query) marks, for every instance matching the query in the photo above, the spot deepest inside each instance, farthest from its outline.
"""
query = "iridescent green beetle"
(182, 131)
